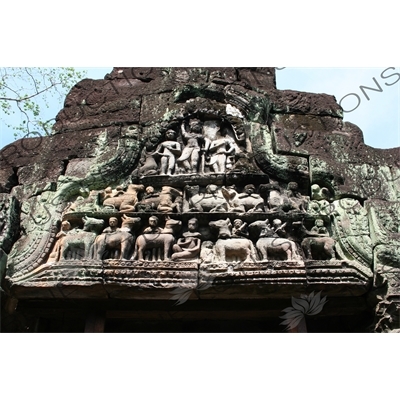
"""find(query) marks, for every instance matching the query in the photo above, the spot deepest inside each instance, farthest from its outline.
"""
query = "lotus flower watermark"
(305, 305)
(181, 295)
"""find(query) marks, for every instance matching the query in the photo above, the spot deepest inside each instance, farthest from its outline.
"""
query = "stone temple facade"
(203, 200)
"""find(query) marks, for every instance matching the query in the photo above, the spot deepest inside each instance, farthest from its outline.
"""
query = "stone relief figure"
(113, 225)
(251, 201)
(87, 202)
(190, 157)
(153, 225)
(320, 207)
(270, 244)
(55, 254)
(318, 193)
(168, 150)
(220, 152)
(232, 198)
(239, 229)
(296, 201)
(319, 245)
(207, 253)
(272, 193)
(147, 163)
(230, 249)
(188, 247)
(77, 243)
(279, 228)
(150, 200)
(167, 201)
(155, 244)
(248, 201)
(170, 200)
(284, 200)
(122, 201)
(115, 242)
(211, 201)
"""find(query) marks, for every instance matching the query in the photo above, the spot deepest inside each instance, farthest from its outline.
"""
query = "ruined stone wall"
(318, 209)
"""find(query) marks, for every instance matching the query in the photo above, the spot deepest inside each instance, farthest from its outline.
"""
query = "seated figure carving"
(318, 245)
(155, 244)
(188, 247)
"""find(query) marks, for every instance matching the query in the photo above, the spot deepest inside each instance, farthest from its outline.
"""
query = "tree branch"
(27, 97)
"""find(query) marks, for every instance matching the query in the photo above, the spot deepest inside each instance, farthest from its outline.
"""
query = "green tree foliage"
(28, 91)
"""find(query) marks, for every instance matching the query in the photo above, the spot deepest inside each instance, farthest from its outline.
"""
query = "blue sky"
(378, 116)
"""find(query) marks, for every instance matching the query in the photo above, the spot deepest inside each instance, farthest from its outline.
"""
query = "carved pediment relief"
(200, 186)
